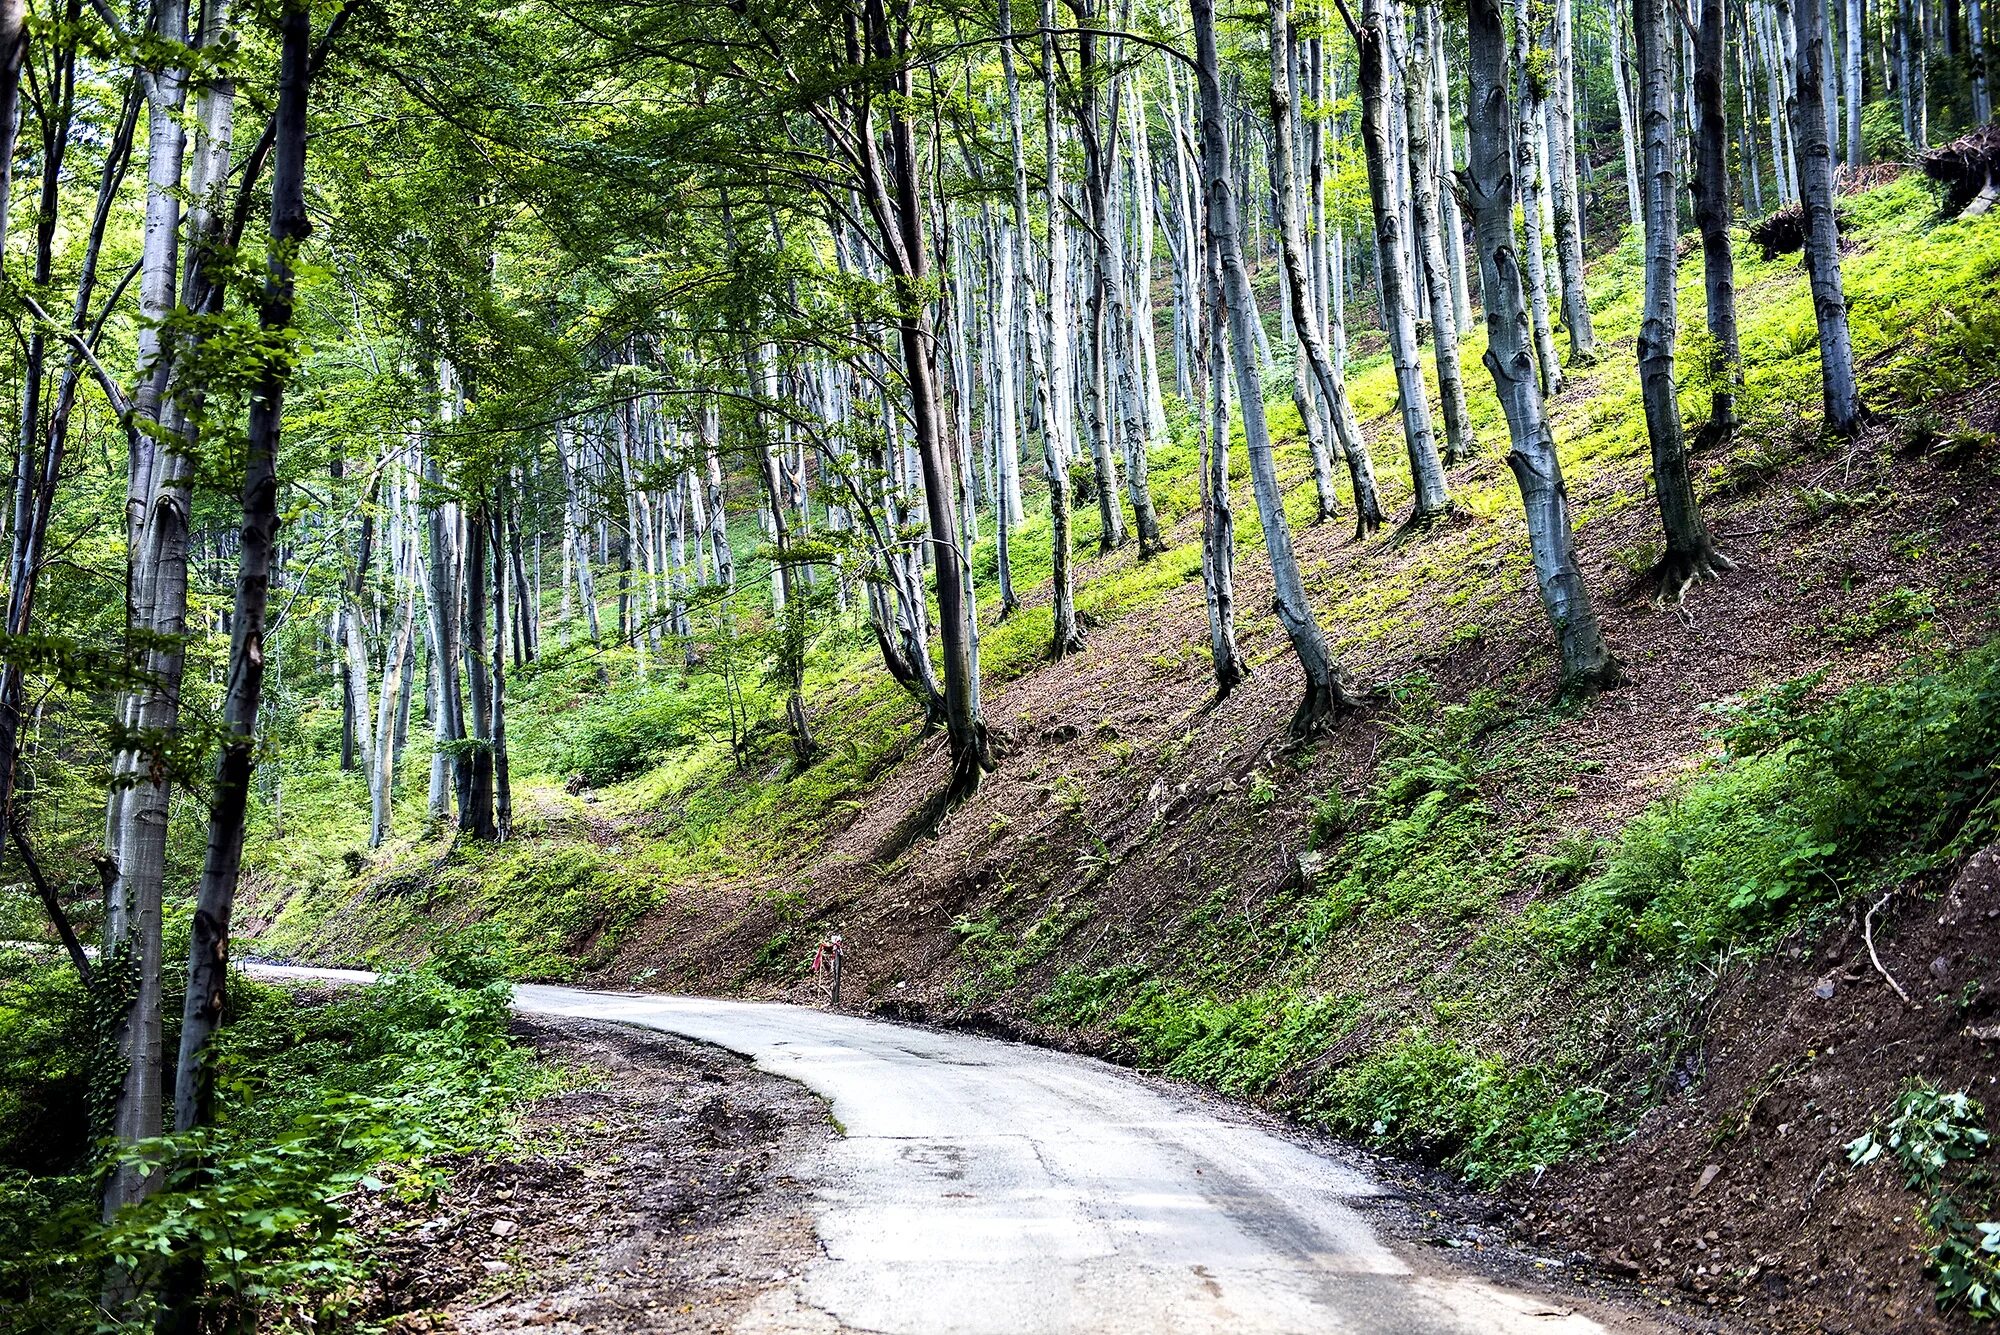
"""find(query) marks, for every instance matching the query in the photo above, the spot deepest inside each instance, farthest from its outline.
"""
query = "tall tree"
(1587, 663)
(1690, 551)
(1326, 690)
(1841, 395)
(1371, 40)
(1710, 185)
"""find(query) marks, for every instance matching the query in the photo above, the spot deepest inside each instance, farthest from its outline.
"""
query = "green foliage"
(1239, 1046)
(1882, 136)
(1898, 609)
(1435, 1099)
(1422, 840)
(1807, 807)
(1931, 1136)
(46, 1041)
(315, 1104)
(1081, 998)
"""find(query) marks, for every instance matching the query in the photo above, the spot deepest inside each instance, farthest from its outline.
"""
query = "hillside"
(1578, 952)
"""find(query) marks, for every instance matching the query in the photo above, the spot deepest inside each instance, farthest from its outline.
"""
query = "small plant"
(1070, 793)
(1899, 609)
(1333, 815)
(1262, 791)
(1930, 1135)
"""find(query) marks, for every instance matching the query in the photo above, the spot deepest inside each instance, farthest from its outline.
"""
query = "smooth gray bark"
(1587, 663)
(1822, 251)
(1432, 270)
(1371, 38)
(1326, 692)
(1568, 189)
(1690, 552)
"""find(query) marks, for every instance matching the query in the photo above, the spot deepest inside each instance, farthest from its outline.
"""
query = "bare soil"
(662, 1199)
(1738, 1197)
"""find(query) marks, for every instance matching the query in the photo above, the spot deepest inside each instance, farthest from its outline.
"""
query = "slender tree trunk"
(1690, 553)
(1529, 180)
(1822, 250)
(1628, 120)
(1218, 508)
(1568, 192)
(208, 955)
(1332, 385)
(503, 788)
(586, 583)
(1326, 691)
(441, 603)
(475, 813)
(1044, 344)
(1433, 274)
(1975, 31)
(1433, 496)
(1587, 664)
(900, 212)
(1712, 213)
(157, 502)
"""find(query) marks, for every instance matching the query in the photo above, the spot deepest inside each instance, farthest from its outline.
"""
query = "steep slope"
(1411, 929)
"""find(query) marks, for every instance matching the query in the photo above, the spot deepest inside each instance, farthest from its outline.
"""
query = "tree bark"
(208, 955)
(1568, 201)
(1044, 343)
(1690, 552)
(1712, 212)
(1433, 273)
(1529, 142)
(1332, 385)
(1326, 693)
(1371, 39)
(1822, 251)
(1587, 664)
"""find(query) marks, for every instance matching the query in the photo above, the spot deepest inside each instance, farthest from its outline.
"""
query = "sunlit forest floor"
(1584, 954)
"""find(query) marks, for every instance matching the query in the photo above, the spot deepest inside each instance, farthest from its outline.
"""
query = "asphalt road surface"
(991, 1188)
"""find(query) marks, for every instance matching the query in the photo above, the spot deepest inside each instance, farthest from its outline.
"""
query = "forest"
(627, 494)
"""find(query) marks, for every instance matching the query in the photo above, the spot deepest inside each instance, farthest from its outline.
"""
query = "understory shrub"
(1437, 1100)
(1935, 1138)
(316, 1103)
(1807, 807)
(1240, 1046)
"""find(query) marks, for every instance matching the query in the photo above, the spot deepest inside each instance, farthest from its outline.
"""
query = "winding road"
(991, 1188)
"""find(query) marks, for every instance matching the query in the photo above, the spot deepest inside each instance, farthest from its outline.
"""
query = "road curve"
(991, 1188)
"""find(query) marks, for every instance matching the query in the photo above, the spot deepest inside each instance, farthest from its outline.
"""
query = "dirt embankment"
(1738, 1197)
(661, 1199)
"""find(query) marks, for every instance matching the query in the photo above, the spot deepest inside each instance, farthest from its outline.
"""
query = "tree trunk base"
(1677, 572)
(1423, 522)
(1228, 676)
(1588, 680)
(1324, 704)
(1062, 647)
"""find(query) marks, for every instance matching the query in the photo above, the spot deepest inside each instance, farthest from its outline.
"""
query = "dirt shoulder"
(662, 1200)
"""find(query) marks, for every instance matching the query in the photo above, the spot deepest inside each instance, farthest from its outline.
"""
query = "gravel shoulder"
(661, 1199)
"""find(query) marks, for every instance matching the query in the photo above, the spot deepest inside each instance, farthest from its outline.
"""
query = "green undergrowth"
(1937, 1141)
(1502, 1041)
(319, 1105)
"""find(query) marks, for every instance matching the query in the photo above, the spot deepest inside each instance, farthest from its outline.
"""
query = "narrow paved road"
(990, 1188)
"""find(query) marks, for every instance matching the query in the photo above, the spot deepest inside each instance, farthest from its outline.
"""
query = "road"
(991, 1188)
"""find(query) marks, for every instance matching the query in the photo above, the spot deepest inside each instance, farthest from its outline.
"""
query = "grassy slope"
(1128, 880)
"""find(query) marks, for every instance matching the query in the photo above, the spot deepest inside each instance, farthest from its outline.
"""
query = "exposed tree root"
(1419, 523)
(1677, 572)
(1587, 682)
(1324, 704)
